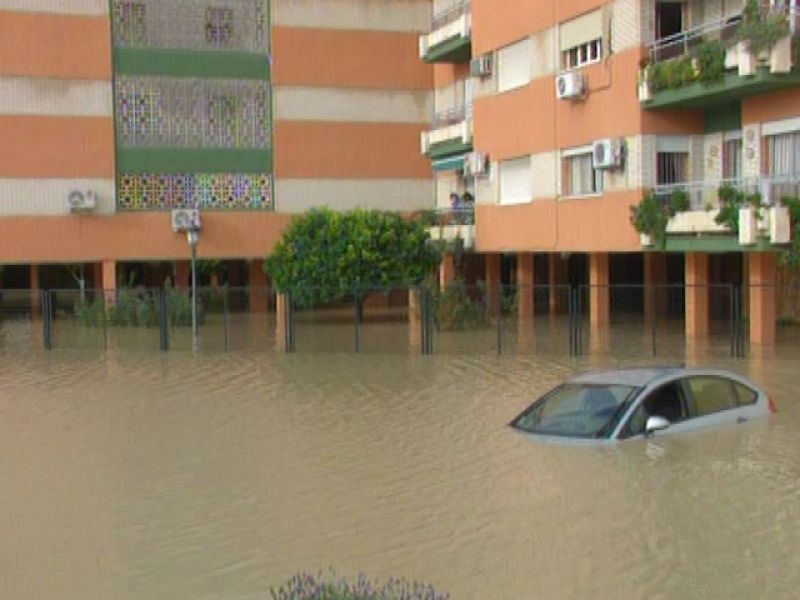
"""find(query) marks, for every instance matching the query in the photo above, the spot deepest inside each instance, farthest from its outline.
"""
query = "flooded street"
(180, 476)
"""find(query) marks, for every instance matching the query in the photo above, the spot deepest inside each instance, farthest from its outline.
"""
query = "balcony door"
(670, 19)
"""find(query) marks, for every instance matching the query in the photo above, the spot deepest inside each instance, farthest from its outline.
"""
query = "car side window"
(711, 395)
(666, 401)
(746, 395)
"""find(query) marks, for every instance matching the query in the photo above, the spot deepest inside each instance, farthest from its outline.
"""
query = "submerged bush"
(137, 307)
(306, 586)
(456, 308)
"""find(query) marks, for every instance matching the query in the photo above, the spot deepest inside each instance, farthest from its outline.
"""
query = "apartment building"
(115, 113)
(558, 116)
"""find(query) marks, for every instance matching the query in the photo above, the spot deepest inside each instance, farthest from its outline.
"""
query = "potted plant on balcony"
(650, 219)
(764, 37)
(645, 87)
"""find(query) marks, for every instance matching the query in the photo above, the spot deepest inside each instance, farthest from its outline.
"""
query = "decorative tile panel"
(212, 191)
(233, 25)
(192, 113)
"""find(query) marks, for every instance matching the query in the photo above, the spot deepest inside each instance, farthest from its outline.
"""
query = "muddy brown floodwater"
(212, 476)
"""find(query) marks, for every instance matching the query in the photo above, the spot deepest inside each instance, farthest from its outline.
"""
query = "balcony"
(450, 225)
(729, 215)
(450, 37)
(451, 133)
(714, 64)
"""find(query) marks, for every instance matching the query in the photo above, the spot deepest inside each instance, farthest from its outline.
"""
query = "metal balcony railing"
(448, 15)
(702, 193)
(443, 217)
(451, 116)
(724, 30)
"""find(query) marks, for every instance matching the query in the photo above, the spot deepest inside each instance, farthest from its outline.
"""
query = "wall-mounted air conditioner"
(607, 154)
(186, 219)
(481, 66)
(81, 201)
(476, 164)
(570, 85)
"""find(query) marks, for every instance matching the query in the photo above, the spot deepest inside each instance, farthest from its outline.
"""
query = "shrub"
(761, 30)
(90, 314)
(731, 201)
(649, 217)
(305, 586)
(679, 202)
(710, 56)
(457, 310)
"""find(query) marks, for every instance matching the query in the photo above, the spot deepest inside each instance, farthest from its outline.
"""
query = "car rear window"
(711, 395)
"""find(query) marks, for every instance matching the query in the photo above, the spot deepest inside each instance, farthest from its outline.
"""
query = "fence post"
(426, 321)
(498, 311)
(104, 317)
(653, 317)
(357, 332)
(47, 320)
(163, 318)
(289, 344)
(225, 316)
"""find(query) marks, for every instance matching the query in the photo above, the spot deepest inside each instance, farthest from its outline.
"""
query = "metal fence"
(624, 321)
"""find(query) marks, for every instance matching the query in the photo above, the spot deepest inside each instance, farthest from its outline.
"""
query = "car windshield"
(577, 410)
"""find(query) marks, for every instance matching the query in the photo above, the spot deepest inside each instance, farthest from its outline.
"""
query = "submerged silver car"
(629, 403)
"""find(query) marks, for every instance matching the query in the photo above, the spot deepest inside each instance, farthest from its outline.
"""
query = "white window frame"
(588, 53)
(597, 174)
(520, 199)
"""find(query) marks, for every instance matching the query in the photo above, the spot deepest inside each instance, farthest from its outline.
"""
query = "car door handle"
(741, 419)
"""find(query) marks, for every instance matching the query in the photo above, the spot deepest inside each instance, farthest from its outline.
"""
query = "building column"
(762, 281)
(525, 283)
(655, 275)
(447, 271)
(696, 279)
(599, 280)
(182, 270)
(257, 284)
(492, 279)
(108, 281)
(280, 322)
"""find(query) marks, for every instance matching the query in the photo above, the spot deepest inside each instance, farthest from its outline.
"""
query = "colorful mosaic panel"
(239, 25)
(192, 113)
(212, 191)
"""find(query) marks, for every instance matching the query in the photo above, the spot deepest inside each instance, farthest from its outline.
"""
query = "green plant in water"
(760, 30)
(90, 314)
(457, 309)
(710, 57)
(307, 586)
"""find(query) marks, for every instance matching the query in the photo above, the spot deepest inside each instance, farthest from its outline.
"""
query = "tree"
(326, 256)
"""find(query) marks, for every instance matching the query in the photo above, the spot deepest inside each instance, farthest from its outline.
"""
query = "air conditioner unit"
(481, 66)
(607, 154)
(475, 164)
(185, 219)
(81, 200)
(570, 85)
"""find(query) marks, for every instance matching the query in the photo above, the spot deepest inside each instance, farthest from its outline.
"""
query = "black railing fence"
(615, 320)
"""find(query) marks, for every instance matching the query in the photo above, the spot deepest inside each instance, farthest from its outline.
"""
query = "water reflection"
(136, 475)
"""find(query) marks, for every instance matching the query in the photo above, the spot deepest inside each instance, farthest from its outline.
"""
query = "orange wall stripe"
(338, 150)
(136, 236)
(362, 59)
(47, 45)
(39, 146)
(531, 119)
(771, 107)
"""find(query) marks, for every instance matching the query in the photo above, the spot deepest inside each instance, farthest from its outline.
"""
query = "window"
(516, 180)
(711, 395)
(585, 54)
(744, 394)
(219, 26)
(671, 167)
(580, 176)
(581, 40)
(130, 22)
(732, 157)
(669, 19)
(514, 66)
(783, 162)
(667, 401)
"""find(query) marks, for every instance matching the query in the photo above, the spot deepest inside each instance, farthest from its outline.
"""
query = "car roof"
(641, 376)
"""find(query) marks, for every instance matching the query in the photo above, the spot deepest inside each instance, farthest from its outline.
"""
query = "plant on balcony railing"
(731, 201)
(706, 64)
(791, 256)
(761, 30)
(651, 216)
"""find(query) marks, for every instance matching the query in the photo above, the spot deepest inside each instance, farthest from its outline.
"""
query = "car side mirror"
(655, 423)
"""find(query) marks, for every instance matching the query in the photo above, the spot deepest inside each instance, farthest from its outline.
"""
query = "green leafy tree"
(327, 256)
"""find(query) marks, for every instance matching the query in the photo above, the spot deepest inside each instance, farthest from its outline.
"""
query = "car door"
(713, 400)
(667, 400)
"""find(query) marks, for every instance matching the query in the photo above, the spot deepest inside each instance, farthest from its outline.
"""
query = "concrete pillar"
(557, 275)
(492, 279)
(525, 283)
(696, 279)
(599, 280)
(182, 270)
(257, 281)
(414, 322)
(447, 270)
(655, 277)
(762, 282)
(108, 281)
(552, 279)
(97, 275)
